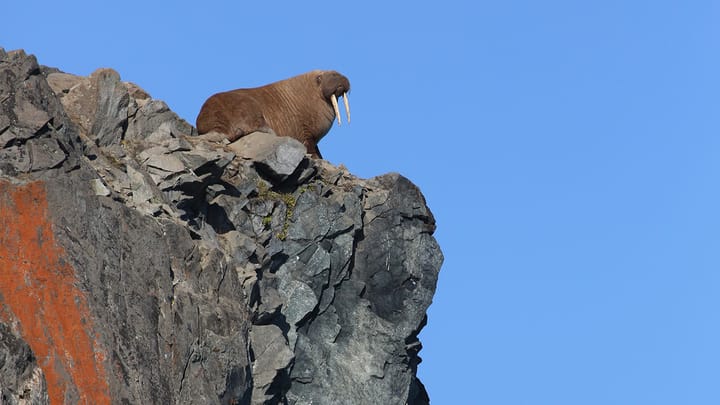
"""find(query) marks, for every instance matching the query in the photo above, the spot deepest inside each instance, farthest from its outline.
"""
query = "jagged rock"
(45, 154)
(33, 131)
(99, 188)
(140, 187)
(272, 356)
(33, 117)
(21, 380)
(276, 157)
(61, 83)
(151, 116)
(181, 269)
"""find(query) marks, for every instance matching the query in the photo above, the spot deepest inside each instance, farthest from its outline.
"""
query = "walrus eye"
(318, 79)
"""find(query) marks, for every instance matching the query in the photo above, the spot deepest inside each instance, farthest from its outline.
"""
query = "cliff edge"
(141, 263)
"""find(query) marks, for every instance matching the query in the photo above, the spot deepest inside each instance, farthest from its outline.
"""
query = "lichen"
(288, 199)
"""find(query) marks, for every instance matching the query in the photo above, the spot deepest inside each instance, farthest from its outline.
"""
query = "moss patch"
(288, 199)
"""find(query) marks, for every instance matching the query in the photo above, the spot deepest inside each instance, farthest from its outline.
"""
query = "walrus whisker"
(335, 106)
(347, 106)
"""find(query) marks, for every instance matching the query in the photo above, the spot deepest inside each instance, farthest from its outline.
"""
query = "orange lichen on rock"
(38, 291)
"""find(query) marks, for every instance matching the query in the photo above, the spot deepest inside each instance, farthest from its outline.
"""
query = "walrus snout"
(334, 85)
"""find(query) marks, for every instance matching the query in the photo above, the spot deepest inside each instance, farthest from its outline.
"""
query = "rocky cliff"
(142, 264)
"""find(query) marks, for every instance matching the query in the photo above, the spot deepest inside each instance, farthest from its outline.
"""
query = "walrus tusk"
(335, 106)
(347, 106)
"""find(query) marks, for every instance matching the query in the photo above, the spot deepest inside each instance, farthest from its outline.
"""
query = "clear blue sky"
(570, 151)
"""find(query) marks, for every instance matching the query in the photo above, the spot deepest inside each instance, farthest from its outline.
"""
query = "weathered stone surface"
(111, 114)
(33, 117)
(61, 83)
(272, 356)
(21, 380)
(184, 270)
(276, 157)
(34, 135)
(151, 116)
(99, 188)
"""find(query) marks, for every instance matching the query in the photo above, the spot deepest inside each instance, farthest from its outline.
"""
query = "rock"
(45, 154)
(61, 83)
(97, 104)
(201, 161)
(140, 187)
(140, 96)
(99, 188)
(32, 117)
(148, 265)
(21, 379)
(150, 117)
(111, 114)
(272, 356)
(275, 157)
(169, 164)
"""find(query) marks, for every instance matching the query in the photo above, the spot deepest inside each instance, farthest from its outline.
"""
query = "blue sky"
(569, 151)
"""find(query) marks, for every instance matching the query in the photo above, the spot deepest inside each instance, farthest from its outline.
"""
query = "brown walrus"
(301, 107)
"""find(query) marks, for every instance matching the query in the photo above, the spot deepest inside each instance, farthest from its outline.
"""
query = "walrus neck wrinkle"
(328, 115)
(292, 108)
(276, 106)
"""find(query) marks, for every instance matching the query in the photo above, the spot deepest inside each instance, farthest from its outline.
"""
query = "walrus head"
(333, 85)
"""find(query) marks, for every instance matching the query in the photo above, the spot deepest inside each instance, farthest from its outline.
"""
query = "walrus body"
(302, 107)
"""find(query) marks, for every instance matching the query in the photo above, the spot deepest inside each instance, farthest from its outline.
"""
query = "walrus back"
(234, 113)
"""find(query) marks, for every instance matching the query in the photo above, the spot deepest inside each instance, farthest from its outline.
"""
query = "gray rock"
(45, 154)
(31, 116)
(208, 277)
(154, 120)
(162, 133)
(165, 164)
(15, 159)
(272, 355)
(202, 161)
(24, 66)
(275, 157)
(30, 111)
(300, 301)
(35, 155)
(61, 83)
(140, 187)
(21, 379)
(111, 114)
(99, 188)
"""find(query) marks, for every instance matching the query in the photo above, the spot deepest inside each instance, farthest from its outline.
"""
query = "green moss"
(288, 199)
(303, 189)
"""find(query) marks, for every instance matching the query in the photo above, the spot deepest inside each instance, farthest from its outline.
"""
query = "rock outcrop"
(141, 263)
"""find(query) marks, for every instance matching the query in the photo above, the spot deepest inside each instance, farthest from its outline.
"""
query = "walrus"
(301, 107)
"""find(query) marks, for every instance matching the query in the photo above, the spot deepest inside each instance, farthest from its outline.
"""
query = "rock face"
(140, 263)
